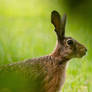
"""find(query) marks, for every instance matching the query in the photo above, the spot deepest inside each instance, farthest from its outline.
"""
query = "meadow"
(26, 32)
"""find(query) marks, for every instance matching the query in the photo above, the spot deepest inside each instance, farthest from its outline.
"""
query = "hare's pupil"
(70, 42)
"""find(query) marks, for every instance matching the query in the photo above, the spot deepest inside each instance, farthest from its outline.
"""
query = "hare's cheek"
(69, 52)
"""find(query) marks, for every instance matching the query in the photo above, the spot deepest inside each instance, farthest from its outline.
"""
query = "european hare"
(47, 73)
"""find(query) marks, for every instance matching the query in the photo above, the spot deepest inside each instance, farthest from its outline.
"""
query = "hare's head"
(66, 46)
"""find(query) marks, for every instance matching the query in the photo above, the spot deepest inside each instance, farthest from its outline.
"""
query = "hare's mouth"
(82, 54)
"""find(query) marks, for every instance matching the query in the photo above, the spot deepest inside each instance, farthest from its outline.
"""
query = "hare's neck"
(58, 54)
(56, 51)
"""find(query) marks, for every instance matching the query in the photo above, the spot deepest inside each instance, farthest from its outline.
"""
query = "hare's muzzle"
(83, 52)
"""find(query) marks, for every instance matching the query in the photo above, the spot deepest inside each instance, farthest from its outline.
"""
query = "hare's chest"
(55, 80)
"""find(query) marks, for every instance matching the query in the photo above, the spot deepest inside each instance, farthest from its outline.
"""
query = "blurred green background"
(26, 32)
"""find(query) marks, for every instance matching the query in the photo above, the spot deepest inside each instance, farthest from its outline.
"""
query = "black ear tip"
(54, 12)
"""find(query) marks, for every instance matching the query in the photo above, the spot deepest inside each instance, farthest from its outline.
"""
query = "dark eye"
(70, 42)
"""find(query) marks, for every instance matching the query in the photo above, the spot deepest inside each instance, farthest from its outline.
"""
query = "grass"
(26, 32)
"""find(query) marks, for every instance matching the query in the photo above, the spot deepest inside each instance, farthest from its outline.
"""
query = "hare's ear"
(59, 24)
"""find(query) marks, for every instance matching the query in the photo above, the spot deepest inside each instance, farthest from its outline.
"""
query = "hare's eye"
(70, 42)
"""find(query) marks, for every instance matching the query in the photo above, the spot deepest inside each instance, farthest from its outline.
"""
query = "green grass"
(26, 32)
